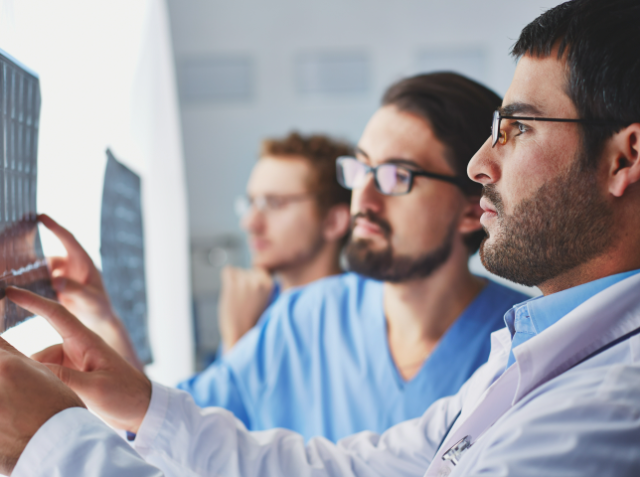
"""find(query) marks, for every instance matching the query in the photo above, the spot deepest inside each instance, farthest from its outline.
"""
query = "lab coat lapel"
(598, 321)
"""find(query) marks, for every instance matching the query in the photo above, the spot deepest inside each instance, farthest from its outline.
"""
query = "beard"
(385, 265)
(564, 224)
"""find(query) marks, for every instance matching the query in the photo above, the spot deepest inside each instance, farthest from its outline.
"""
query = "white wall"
(222, 137)
(107, 80)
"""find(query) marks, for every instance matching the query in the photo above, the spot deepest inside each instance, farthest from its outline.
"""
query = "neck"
(324, 263)
(616, 259)
(419, 312)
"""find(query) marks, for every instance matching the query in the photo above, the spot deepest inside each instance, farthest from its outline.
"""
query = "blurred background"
(182, 91)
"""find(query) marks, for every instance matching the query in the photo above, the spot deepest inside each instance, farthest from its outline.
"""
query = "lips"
(364, 227)
(258, 244)
(487, 206)
(489, 212)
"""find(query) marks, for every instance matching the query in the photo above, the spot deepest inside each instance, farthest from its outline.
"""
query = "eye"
(274, 202)
(402, 175)
(523, 128)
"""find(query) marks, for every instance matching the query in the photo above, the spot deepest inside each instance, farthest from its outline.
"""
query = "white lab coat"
(540, 417)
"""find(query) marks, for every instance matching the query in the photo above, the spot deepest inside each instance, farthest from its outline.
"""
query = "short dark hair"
(459, 111)
(321, 152)
(600, 40)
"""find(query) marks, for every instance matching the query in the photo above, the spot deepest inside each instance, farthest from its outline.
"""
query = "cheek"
(531, 165)
(293, 228)
(521, 179)
(422, 224)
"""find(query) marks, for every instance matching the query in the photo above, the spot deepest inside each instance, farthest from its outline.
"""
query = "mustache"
(489, 191)
(373, 218)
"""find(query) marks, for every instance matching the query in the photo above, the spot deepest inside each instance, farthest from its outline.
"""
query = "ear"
(470, 221)
(624, 169)
(336, 222)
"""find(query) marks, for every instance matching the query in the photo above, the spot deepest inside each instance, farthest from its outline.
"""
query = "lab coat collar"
(598, 321)
(500, 344)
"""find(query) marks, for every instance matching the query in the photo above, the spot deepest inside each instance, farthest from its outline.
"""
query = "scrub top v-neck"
(319, 361)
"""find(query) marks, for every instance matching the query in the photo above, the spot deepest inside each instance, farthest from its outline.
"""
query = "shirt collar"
(547, 310)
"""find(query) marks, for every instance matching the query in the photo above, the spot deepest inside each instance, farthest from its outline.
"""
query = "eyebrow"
(520, 108)
(361, 152)
(393, 160)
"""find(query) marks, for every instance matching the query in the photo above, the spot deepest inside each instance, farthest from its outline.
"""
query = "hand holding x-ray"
(79, 286)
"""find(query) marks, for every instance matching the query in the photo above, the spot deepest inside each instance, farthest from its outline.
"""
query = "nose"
(367, 197)
(483, 167)
(253, 221)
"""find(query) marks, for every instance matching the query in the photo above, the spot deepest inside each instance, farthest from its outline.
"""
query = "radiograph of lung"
(122, 251)
(22, 260)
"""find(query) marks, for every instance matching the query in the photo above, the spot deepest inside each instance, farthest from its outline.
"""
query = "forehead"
(279, 175)
(539, 88)
(395, 134)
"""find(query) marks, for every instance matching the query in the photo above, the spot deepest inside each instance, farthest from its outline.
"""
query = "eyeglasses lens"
(351, 173)
(495, 128)
(392, 180)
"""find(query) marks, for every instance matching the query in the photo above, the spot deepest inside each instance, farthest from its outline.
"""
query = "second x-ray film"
(22, 261)
(122, 251)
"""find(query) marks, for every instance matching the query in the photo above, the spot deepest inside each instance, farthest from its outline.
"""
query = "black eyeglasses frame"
(411, 172)
(497, 120)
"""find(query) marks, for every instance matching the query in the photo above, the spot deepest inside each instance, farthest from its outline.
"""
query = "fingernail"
(58, 284)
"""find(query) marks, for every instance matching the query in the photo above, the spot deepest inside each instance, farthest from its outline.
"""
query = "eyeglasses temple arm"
(562, 120)
(453, 180)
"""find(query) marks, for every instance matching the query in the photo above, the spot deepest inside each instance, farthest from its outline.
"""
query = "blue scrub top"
(319, 362)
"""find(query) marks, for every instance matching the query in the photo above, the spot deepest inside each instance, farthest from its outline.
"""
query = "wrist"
(138, 410)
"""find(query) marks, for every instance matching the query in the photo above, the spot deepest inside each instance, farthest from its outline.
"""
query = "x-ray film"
(22, 261)
(122, 251)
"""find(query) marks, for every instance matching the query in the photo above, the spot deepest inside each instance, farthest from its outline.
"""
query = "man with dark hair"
(559, 394)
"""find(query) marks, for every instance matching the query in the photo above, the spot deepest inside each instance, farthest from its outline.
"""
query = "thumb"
(71, 289)
(52, 354)
(56, 265)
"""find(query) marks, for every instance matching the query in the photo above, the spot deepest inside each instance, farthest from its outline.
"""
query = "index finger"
(69, 242)
(57, 315)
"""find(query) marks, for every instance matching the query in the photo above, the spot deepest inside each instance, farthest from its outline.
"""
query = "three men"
(559, 394)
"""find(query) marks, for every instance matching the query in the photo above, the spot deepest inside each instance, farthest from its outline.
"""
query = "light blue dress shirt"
(319, 362)
(526, 320)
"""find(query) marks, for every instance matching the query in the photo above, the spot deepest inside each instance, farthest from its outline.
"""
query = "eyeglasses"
(497, 134)
(266, 203)
(389, 178)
